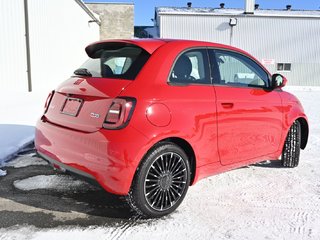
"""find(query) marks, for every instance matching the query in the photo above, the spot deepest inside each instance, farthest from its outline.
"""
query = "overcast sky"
(144, 9)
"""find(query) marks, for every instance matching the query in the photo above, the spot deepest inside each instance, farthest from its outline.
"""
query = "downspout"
(26, 21)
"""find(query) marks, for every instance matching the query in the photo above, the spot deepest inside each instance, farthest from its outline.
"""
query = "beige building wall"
(116, 19)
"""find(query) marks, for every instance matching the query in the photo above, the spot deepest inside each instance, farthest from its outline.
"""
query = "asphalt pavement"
(47, 208)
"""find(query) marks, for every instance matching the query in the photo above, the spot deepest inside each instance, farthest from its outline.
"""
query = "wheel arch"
(188, 150)
(184, 145)
(304, 132)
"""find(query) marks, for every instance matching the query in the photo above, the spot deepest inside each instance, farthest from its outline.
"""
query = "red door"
(190, 97)
(249, 114)
(249, 123)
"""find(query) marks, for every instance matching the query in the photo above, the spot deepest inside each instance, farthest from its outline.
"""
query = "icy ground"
(255, 202)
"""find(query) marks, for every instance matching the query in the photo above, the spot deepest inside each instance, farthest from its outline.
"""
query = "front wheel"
(161, 181)
(291, 150)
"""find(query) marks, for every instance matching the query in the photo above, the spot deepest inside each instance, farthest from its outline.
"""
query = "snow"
(3, 173)
(15, 138)
(256, 202)
(237, 12)
(25, 161)
(19, 113)
(60, 183)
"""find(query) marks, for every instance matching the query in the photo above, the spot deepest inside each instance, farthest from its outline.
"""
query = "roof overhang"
(95, 18)
(236, 12)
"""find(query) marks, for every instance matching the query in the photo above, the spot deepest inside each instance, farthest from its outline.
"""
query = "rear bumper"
(65, 167)
(109, 157)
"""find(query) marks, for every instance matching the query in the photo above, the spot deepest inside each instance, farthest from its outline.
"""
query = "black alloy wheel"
(165, 181)
(161, 181)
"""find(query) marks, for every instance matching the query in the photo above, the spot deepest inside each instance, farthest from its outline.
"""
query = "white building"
(43, 41)
(286, 41)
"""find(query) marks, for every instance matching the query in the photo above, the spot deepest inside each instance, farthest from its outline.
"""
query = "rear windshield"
(121, 62)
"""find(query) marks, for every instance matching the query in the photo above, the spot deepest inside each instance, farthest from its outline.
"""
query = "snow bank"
(18, 116)
(14, 138)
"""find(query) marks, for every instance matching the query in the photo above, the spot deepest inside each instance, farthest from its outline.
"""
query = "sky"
(144, 9)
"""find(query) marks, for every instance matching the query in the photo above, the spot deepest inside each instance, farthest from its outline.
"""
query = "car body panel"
(103, 154)
(248, 119)
(222, 136)
(88, 101)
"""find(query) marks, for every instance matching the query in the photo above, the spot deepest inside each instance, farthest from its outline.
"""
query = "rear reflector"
(119, 113)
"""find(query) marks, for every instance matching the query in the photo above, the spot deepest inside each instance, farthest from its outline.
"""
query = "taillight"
(119, 113)
(46, 105)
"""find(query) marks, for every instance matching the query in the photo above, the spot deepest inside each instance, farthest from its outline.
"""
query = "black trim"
(64, 166)
(214, 68)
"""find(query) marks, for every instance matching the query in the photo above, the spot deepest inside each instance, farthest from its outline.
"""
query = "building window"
(284, 67)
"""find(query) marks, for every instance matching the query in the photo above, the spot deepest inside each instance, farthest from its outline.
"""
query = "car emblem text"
(94, 115)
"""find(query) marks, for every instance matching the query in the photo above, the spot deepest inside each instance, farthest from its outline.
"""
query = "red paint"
(158, 115)
(226, 126)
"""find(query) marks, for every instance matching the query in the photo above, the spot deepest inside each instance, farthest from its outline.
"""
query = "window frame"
(216, 77)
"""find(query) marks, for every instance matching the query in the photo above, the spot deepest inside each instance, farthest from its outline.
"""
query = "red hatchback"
(148, 118)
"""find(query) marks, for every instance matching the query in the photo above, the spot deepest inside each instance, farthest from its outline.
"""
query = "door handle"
(227, 105)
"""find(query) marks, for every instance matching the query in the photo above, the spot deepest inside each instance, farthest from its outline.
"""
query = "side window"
(238, 70)
(191, 67)
(119, 65)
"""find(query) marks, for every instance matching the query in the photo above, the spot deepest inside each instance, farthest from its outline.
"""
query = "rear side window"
(121, 62)
(191, 68)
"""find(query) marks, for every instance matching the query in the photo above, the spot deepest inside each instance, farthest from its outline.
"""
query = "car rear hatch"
(83, 101)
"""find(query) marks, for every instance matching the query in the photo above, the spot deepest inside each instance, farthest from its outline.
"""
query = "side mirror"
(278, 81)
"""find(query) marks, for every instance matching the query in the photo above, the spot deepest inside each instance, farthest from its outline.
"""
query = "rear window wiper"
(82, 72)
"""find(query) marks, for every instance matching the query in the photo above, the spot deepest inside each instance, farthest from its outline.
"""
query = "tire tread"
(291, 150)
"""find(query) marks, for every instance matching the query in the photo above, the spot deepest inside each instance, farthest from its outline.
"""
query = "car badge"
(94, 115)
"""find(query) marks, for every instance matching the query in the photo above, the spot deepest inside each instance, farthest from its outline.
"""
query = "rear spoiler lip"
(149, 45)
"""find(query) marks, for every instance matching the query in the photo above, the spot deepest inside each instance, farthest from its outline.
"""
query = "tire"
(291, 150)
(161, 181)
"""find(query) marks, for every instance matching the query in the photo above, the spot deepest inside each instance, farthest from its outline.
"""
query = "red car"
(148, 118)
